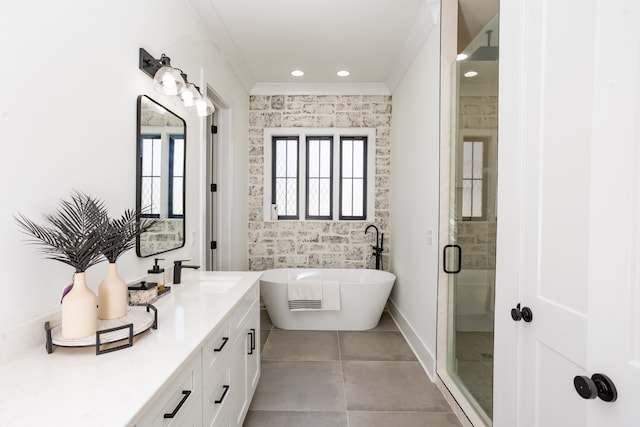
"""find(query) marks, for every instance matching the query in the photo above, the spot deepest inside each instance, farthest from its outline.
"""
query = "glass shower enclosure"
(469, 257)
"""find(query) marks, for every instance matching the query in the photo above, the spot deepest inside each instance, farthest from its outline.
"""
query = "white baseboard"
(424, 356)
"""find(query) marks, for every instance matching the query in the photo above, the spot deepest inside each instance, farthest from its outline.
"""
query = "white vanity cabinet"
(199, 368)
(223, 375)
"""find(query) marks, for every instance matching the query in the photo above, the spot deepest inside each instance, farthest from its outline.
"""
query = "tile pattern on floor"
(344, 379)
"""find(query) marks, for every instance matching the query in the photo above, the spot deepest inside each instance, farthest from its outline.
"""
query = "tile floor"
(344, 379)
(474, 352)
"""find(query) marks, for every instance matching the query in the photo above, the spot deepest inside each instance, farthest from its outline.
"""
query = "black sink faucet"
(377, 249)
(177, 270)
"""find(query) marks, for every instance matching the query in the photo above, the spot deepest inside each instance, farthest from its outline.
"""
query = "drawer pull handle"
(252, 334)
(224, 342)
(186, 394)
(224, 394)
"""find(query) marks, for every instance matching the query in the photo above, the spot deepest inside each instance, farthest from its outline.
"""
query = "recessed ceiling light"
(461, 57)
(343, 73)
(297, 73)
(471, 74)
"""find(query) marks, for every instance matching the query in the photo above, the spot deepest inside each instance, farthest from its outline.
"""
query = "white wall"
(70, 79)
(414, 200)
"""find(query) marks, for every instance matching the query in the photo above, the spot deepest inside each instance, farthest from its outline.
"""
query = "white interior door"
(614, 267)
(568, 233)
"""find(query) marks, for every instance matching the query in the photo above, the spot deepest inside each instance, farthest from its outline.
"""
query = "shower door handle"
(445, 251)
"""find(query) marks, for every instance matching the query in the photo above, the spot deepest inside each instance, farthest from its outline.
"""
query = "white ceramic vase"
(79, 314)
(112, 295)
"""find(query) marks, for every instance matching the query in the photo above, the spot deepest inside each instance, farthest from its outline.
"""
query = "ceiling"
(264, 40)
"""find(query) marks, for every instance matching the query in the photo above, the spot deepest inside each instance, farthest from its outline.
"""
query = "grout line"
(344, 388)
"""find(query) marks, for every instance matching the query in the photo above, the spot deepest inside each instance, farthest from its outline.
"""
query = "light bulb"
(168, 81)
(190, 95)
(203, 107)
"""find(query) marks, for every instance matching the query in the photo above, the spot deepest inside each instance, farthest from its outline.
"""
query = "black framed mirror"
(160, 177)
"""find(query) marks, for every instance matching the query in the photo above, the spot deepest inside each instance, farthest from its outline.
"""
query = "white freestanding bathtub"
(363, 295)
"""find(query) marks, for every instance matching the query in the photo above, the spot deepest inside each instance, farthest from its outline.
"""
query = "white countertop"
(76, 387)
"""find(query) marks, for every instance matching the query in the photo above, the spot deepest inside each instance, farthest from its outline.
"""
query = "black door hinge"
(214, 129)
(214, 245)
(214, 188)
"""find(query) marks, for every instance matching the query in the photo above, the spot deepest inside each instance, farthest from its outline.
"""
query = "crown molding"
(320, 89)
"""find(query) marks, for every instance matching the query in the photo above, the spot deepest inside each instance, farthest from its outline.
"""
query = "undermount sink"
(216, 286)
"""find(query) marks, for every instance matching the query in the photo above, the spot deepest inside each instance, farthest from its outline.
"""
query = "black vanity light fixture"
(173, 81)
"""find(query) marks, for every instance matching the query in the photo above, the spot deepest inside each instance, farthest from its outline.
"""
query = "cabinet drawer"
(180, 402)
(216, 346)
(218, 395)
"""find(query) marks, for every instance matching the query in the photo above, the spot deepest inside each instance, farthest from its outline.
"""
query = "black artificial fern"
(120, 234)
(75, 232)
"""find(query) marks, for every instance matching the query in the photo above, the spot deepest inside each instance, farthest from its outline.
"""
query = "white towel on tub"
(330, 295)
(305, 295)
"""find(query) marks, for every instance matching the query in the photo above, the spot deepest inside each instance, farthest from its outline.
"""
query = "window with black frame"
(334, 184)
(176, 176)
(320, 177)
(353, 178)
(285, 169)
(151, 175)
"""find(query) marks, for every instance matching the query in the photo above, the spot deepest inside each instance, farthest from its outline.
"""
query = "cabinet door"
(253, 356)
(246, 365)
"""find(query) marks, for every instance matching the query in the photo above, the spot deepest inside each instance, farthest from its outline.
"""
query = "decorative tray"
(138, 319)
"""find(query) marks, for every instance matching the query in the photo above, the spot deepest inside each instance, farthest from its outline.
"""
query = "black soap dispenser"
(156, 275)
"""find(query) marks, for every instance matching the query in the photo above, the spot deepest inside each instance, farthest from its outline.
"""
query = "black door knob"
(599, 385)
(525, 314)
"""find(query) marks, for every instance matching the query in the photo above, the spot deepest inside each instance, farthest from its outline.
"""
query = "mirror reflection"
(160, 177)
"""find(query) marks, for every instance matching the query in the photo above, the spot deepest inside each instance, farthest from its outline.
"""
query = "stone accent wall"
(478, 242)
(165, 235)
(320, 244)
(478, 112)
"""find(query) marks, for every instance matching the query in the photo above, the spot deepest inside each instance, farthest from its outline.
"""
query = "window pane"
(178, 157)
(155, 195)
(145, 194)
(292, 197)
(347, 205)
(358, 159)
(313, 152)
(281, 195)
(325, 159)
(347, 158)
(467, 159)
(147, 156)
(314, 197)
(292, 158)
(478, 160)
(325, 197)
(466, 198)
(177, 196)
(477, 198)
(358, 197)
(281, 158)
